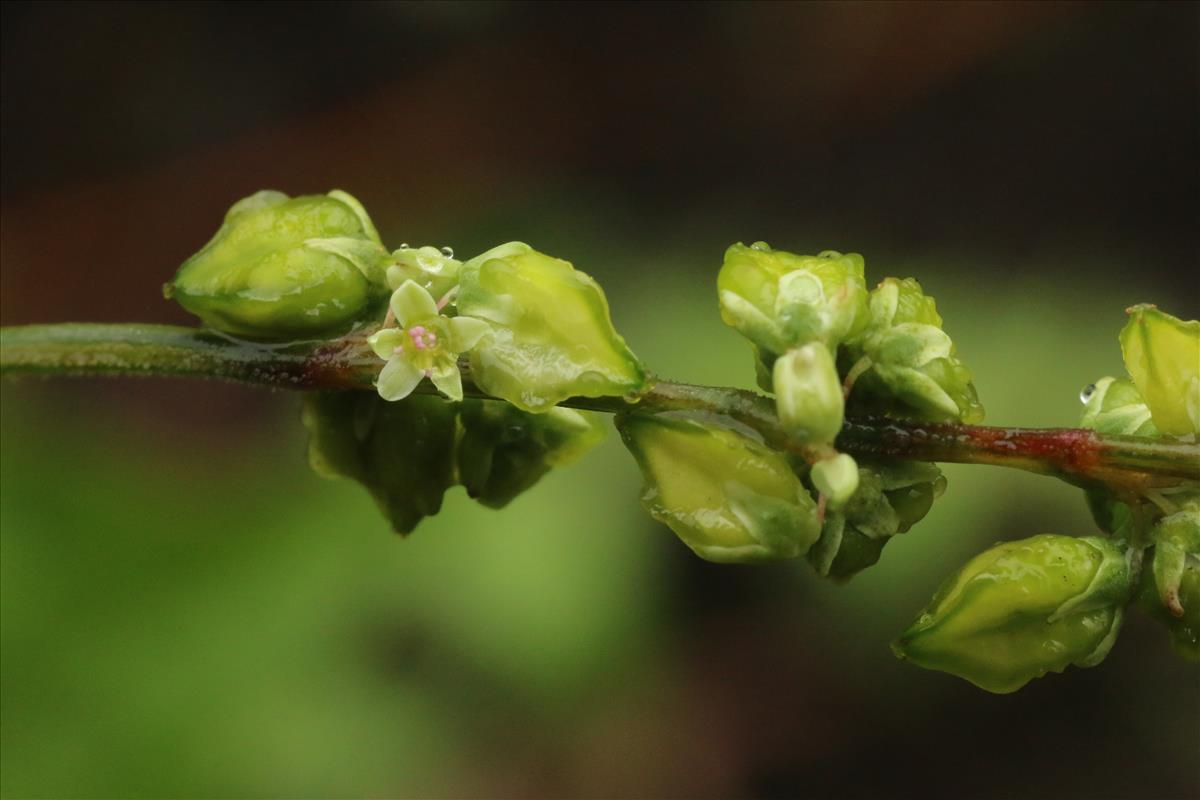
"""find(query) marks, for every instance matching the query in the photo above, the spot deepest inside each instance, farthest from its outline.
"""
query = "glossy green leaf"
(1022, 609)
(552, 335)
(726, 495)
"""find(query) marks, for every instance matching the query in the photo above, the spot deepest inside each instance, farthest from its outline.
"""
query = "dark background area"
(188, 612)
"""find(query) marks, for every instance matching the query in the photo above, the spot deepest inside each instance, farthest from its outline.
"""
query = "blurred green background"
(187, 611)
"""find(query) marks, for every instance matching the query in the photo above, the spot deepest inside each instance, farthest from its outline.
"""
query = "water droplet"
(760, 246)
(1087, 393)
(448, 252)
(404, 246)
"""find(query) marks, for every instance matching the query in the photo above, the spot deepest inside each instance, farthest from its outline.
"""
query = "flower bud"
(503, 451)
(913, 372)
(728, 497)
(890, 497)
(552, 335)
(1022, 609)
(1176, 544)
(1162, 355)
(836, 478)
(808, 394)
(283, 267)
(1183, 628)
(434, 270)
(779, 300)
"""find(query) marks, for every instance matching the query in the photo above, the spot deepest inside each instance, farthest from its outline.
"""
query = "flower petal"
(448, 380)
(398, 379)
(411, 304)
(465, 333)
(385, 342)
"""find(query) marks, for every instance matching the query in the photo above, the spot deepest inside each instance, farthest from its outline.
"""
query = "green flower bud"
(1184, 628)
(727, 496)
(281, 268)
(434, 270)
(808, 394)
(1176, 544)
(836, 478)
(889, 499)
(1022, 609)
(1162, 355)
(912, 371)
(780, 300)
(402, 452)
(552, 337)
(503, 451)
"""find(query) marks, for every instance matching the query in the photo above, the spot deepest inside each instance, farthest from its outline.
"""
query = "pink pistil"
(422, 338)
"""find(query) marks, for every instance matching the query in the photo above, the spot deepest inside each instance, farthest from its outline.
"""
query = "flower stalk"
(1130, 465)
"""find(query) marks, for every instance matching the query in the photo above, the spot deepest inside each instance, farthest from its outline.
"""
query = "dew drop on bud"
(760, 246)
(1087, 393)
(405, 246)
(448, 252)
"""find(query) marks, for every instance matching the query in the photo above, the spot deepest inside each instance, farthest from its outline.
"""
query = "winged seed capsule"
(1022, 609)
(285, 267)
(552, 336)
(728, 497)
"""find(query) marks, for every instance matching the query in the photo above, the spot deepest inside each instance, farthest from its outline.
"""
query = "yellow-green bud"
(281, 268)
(1183, 628)
(1162, 355)
(1022, 609)
(836, 478)
(808, 394)
(727, 496)
(552, 337)
(779, 300)
(1176, 543)
(889, 498)
(913, 371)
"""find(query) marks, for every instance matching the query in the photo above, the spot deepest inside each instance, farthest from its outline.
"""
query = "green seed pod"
(779, 300)
(728, 497)
(1162, 355)
(283, 268)
(503, 451)
(808, 394)
(1022, 609)
(552, 337)
(911, 368)
(402, 452)
(889, 499)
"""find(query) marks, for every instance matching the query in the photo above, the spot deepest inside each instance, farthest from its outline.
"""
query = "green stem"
(1128, 463)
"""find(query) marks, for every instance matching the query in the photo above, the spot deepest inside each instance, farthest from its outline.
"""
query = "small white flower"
(424, 344)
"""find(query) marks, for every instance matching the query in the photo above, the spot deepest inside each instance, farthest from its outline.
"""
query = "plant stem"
(1129, 464)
